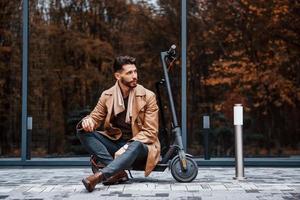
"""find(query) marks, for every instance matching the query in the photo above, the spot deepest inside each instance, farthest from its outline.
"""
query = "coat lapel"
(109, 105)
(138, 102)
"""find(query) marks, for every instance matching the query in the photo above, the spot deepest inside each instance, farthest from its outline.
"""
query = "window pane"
(239, 53)
(10, 78)
(72, 49)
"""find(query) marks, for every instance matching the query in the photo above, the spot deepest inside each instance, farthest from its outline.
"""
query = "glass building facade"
(232, 57)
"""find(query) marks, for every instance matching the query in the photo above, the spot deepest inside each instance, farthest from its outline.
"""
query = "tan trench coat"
(144, 121)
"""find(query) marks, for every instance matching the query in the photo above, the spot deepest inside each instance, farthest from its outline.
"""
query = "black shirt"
(119, 122)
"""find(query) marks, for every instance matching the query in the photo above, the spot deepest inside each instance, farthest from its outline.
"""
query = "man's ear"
(117, 75)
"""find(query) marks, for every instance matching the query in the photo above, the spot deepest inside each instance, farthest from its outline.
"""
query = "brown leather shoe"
(119, 177)
(91, 181)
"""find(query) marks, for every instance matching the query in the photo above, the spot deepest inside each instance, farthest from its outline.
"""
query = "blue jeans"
(104, 149)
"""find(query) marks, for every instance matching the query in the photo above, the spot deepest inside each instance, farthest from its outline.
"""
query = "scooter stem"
(176, 128)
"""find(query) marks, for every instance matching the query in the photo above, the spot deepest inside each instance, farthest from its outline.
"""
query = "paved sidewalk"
(211, 183)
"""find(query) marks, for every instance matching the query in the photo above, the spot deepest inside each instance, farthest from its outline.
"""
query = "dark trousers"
(104, 149)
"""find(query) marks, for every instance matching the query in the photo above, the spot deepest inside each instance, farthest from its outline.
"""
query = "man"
(129, 115)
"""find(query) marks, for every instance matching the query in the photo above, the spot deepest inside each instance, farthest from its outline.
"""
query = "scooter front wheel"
(181, 175)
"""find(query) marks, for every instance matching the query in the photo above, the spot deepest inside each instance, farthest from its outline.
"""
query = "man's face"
(128, 76)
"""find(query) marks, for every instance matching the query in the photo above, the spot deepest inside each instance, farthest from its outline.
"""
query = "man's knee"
(141, 150)
(83, 134)
(79, 133)
(137, 145)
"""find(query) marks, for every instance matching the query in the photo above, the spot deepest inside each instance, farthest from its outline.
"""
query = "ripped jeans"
(104, 149)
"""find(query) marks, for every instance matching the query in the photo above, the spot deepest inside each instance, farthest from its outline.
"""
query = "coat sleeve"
(149, 131)
(99, 113)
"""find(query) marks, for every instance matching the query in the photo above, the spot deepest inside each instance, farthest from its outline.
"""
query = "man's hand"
(88, 124)
(121, 150)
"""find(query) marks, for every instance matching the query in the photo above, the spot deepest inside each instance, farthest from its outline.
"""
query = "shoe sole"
(87, 185)
(122, 180)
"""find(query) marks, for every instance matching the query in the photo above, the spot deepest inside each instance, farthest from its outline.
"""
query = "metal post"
(206, 127)
(239, 158)
(24, 79)
(29, 137)
(183, 72)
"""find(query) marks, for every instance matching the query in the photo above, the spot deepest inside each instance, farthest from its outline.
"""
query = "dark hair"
(123, 60)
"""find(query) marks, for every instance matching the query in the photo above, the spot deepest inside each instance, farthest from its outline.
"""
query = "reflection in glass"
(10, 78)
(239, 53)
(72, 47)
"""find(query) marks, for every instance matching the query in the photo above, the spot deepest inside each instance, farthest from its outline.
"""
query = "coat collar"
(139, 90)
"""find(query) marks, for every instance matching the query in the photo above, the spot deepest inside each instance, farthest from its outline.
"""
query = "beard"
(130, 84)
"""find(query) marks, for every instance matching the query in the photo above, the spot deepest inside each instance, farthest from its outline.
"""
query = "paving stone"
(36, 189)
(162, 194)
(163, 187)
(125, 195)
(205, 186)
(217, 187)
(119, 188)
(194, 188)
(252, 191)
(5, 189)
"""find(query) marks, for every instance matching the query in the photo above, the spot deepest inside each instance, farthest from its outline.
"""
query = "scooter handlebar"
(171, 53)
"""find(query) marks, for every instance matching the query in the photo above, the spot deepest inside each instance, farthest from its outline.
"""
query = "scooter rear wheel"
(187, 175)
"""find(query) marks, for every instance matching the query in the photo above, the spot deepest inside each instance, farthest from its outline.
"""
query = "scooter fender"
(175, 157)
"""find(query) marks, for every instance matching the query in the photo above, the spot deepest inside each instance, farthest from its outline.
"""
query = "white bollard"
(238, 132)
(29, 137)
(29, 123)
(206, 127)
